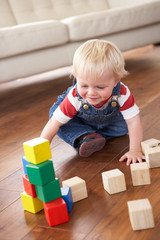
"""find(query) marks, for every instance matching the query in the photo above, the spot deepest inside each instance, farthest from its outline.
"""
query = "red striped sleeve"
(67, 108)
(74, 93)
(128, 104)
(123, 90)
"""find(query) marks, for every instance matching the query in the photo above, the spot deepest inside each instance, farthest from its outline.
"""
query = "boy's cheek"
(81, 92)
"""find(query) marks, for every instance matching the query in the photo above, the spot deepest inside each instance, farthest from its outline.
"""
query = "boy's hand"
(132, 156)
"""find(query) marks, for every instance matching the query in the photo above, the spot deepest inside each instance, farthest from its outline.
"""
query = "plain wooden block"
(151, 149)
(78, 188)
(150, 143)
(37, 150)
(140, 174)
(153, 157)
(113, 181)
(140, 214)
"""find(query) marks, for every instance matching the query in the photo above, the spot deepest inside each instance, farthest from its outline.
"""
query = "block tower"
(41, 187)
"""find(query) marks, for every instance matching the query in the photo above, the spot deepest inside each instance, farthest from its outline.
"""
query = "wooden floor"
(23, 113)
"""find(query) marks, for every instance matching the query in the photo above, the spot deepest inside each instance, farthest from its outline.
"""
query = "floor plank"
(52, 234)
(15, 223)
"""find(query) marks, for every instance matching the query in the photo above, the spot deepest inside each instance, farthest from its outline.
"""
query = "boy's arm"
(135, 138)
(51, 129)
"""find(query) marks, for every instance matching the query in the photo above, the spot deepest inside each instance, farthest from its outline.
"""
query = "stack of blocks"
(42, 188)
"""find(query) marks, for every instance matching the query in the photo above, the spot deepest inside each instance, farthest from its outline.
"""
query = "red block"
(56, 212)
(28, 187)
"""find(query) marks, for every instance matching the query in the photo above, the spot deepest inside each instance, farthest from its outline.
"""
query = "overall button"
(85, 106)
(113, 103)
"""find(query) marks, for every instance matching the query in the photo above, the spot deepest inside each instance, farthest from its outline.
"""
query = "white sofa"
(41, 35)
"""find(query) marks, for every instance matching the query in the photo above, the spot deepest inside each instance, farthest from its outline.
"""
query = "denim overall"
(107, 121)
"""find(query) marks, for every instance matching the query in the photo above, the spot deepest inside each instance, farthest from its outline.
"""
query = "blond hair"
(95, 56)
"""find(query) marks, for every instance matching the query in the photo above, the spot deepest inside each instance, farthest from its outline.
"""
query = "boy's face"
(96, 91)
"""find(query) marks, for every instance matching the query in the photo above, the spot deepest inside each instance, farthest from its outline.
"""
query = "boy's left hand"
(132, 156)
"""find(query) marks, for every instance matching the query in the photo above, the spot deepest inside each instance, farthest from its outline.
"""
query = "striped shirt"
(71, 105)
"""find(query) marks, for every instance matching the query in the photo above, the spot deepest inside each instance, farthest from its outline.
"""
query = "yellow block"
(37, 150)
(31, 204)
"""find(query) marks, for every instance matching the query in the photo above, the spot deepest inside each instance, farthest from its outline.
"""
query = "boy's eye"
(100, 87)
(84, 86)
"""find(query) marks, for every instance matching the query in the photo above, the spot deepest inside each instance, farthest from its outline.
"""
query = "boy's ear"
(116, 81)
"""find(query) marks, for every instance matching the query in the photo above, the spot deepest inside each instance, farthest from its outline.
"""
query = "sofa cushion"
(126, 3)
(31, 37)
(26, 11)
(111, 21)
(6, 15)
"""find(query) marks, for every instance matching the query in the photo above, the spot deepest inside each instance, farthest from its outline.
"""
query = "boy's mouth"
(94, 100)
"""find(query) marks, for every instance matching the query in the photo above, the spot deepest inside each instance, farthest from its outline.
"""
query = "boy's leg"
(116, 127)
(73, 130)
(90, 143)
(82, 137)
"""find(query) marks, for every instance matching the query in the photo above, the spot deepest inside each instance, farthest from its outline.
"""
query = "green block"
(49, 192)
(41, 174)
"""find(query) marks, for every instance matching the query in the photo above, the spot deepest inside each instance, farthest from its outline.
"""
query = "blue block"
(67, 197)
(25, 163)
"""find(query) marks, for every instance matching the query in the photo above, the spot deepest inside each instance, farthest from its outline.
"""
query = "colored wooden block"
(67, 197)
(78, 188)
(49, 192)
(42, 173)
(31, 204)
(140, 174)
(151, 149)
(56, 212)
(140, 214)
(25, 163)
(28, 187)
(37, 150)
(113, 181)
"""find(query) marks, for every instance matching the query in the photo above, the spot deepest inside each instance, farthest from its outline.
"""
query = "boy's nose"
(91, 91)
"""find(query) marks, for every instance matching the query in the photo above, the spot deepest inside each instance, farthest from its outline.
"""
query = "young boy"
(98, 106)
